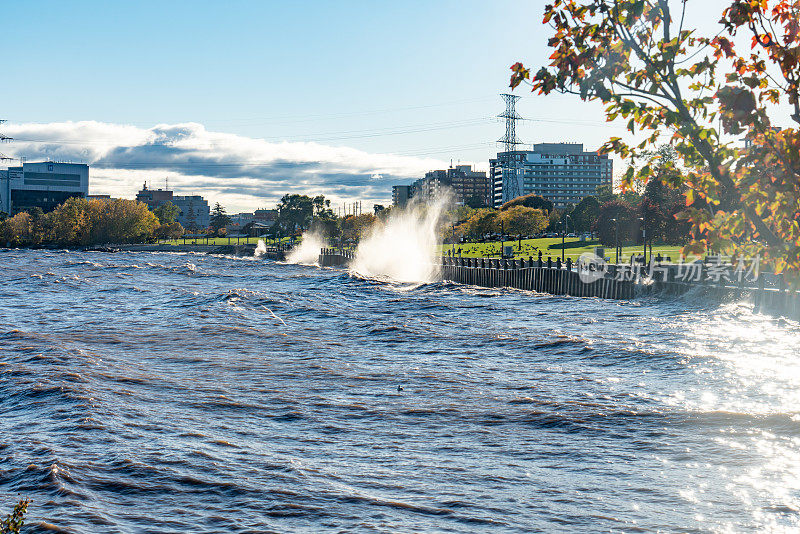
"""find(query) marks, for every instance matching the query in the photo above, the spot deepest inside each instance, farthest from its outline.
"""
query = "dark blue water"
(186, 393)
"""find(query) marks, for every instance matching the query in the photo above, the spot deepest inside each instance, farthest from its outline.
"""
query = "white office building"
(42, 185)
(563, 173)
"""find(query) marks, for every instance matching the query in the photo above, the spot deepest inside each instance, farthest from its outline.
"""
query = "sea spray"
(405, 246)
(261, 248)
(307, 252)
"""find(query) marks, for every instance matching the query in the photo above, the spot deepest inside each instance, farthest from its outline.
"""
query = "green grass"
(531, 247)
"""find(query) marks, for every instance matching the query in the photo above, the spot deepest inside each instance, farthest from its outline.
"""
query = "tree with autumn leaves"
(82, 222)
(641, 59)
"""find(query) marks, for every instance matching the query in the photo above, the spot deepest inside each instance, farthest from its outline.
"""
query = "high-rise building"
(42, 185)
(466, 185)
(431, 186)
(470, 187)
(401, 194)
(561, 172)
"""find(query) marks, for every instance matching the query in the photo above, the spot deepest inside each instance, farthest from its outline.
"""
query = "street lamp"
(616, 242)
(644, 240)
(563, 235)
(502, 238)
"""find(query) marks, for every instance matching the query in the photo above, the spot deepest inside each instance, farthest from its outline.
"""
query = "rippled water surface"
(185, 393)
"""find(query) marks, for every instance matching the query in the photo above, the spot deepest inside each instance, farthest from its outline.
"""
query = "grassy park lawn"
(551, 246)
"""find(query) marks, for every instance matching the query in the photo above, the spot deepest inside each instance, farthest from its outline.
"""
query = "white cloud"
(241, 173)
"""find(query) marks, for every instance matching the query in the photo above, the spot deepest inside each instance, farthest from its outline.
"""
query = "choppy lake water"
(186, 393)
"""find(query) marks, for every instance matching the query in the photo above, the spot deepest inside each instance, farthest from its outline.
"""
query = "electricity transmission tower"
(511, 168)
(4, 138)
(511, 116)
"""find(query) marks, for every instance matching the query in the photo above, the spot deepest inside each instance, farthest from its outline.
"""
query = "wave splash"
(261, 248)
(404, 247)
(307, 252)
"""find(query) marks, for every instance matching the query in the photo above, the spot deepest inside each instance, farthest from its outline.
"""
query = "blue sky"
(393, 88)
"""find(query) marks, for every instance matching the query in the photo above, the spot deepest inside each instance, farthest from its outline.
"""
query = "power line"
(4, 138)
(330, 136)
(292, 119)
(288, 118)
(372, 132)
(333, 136)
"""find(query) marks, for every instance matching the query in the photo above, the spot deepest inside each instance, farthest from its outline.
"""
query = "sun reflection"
(746, 398)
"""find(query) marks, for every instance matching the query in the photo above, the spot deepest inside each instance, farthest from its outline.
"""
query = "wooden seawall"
(529, 275)
(275, 253)
(332, 257)
(768, 293)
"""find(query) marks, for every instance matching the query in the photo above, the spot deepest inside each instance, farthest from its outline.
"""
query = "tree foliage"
(482, 222)
(354, 227)
(296, 213)
(82, 222)
(641, 59)
(167, 213)
(617, 222)
(461, 213)
(531, 201)
(13, 522)
(168, 231)
(524, 221)
(659, 207)
(475, 202)
(585, 214)
(219, 219)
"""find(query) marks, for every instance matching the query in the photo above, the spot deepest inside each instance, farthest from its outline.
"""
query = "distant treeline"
(87, 222)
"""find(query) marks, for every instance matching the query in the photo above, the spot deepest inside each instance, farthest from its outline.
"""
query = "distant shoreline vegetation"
(81, 222)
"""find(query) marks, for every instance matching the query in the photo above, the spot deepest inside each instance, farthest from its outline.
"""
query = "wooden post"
(782, 296)
(759, 295)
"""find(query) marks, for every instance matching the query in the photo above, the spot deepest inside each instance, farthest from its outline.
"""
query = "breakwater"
(533, 275)
(767, 292)
(233, 249)
(333, 257)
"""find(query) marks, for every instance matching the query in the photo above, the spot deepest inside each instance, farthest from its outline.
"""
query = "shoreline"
(773, 298)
